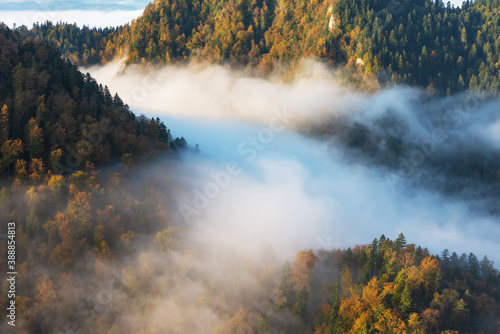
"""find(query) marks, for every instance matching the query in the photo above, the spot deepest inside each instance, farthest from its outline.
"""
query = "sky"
(93, 13)
(77, 4)
(99, 19)
(456, 2)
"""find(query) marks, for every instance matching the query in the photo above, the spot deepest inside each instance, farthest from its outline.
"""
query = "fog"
(296, 187)
(281, 167)
(309, 163)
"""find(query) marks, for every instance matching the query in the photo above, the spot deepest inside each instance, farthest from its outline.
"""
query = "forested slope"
(423, 43)
(67, 150)
(388, 286)
(85, 218)
(53, 117)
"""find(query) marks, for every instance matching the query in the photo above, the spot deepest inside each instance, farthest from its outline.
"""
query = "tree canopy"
(423, 43)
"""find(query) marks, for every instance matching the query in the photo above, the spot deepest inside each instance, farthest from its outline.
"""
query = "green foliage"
(54, 116)
(301, 308)
(423, 43)
(425, 296)
(286, 293)
(57, 127)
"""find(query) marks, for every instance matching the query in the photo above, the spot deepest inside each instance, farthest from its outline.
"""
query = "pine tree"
(400, 241)
(473, 83)
(286, 293)
(406, 300)
(301, 308)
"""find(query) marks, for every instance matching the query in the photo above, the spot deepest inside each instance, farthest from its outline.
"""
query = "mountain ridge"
(378, 42)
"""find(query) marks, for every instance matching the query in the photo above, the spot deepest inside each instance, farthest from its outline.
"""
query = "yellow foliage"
(46, 295)
(390, 322)
(37, 169)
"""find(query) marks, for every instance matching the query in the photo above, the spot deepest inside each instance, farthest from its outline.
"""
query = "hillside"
(387, 286)
(67, 150)
(55, 118)
(97, 193)
(422, 43)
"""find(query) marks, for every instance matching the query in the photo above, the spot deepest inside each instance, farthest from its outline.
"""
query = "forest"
(90, 184)
(68, 148)
(56, 119)
(387, 286)
(377, 43)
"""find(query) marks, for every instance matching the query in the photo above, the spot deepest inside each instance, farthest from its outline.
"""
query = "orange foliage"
(301, 268)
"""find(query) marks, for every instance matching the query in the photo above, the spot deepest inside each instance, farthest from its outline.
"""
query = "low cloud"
(300, 189)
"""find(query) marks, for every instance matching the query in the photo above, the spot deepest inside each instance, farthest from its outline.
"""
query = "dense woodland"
(424, 43)
(69, 150)
(387, 286)
(56, 119)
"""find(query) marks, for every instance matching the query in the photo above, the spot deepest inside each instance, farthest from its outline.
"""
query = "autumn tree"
(167, 239)
(56, 186)
(10, 150)
(34, 143)
(45, 292)
(4, 124)
(21, 169)
(37, 169)
(286, 293)
(101, 247)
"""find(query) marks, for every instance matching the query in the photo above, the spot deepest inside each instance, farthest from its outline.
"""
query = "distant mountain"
(50, 5)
